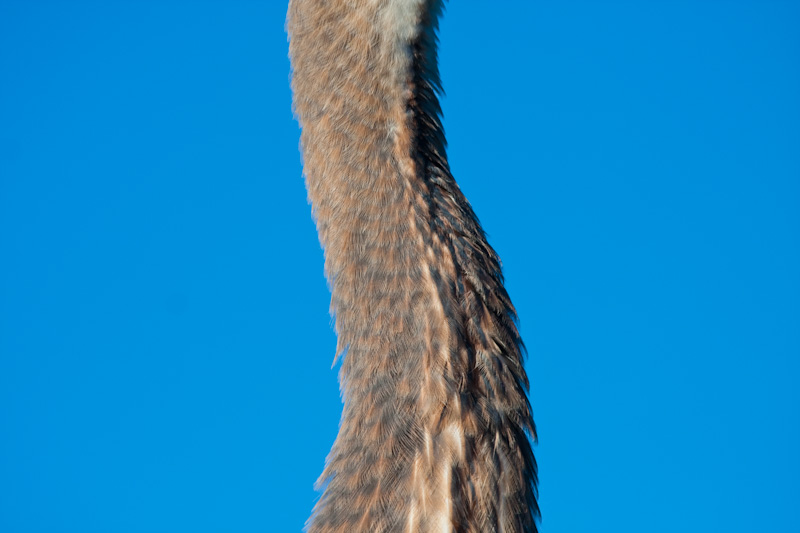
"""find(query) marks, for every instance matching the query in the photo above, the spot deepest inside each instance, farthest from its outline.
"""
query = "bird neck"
(432, 362)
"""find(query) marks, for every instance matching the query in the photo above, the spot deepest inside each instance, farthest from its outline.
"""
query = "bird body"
(436, 424)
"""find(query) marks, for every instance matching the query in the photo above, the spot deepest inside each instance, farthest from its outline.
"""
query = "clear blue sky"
(165, 344)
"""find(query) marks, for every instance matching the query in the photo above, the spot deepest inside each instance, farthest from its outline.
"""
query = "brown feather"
(436, 426)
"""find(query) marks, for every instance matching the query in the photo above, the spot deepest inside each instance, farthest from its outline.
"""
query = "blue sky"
(165, 344)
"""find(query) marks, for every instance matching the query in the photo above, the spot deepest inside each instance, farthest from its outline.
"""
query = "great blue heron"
(436, 425)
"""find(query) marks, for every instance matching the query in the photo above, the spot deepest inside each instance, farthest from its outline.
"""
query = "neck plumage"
(435, 427)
